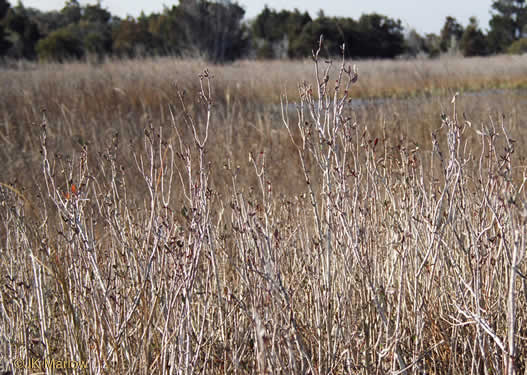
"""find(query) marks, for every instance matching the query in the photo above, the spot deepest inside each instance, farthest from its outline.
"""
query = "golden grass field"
(165, 216)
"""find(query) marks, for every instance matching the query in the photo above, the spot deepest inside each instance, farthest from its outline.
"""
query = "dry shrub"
(346, 241)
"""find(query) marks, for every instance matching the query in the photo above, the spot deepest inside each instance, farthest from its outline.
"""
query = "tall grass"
(323, 239)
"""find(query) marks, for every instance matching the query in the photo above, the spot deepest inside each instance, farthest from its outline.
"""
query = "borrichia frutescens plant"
(421, 246)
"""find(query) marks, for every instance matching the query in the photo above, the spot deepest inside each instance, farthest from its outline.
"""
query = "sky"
(426, 16)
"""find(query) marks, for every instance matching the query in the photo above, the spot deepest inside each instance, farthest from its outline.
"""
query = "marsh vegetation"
(158, 217)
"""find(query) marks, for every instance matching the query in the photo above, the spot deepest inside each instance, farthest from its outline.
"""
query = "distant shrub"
(60, 45)
(518, 47)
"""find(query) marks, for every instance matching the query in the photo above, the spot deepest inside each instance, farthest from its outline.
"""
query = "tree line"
(218, 32)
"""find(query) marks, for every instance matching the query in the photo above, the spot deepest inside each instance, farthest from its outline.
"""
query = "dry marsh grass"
(201, 228)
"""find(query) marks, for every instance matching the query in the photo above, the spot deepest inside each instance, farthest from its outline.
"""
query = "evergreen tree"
(4, 7)
(508, 23)
(23, 31)
(277, 34)
(46, 22)
(95, 30)
(302, 45)
(473, 42)
(4, 43)
(134, 37)
(71, 13)
(450, 35)
(213, 30)
(381, 36)
(373, 35)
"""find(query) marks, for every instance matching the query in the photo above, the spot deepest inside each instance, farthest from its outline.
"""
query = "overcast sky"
(424, 15)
